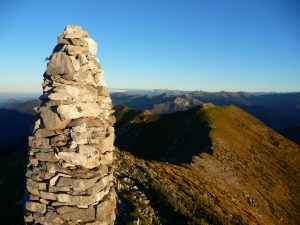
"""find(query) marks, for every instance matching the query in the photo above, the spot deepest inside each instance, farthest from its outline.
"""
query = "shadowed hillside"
(251, 177)
(15, 128)
(12, 186)
(174, 137)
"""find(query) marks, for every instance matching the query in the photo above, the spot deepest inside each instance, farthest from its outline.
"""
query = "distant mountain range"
(16, 120)
(277, 110)
(280, 111)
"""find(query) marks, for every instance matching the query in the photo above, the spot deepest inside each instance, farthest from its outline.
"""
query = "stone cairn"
(70, 169)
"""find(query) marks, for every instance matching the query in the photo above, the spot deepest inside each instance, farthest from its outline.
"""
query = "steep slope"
(173, 138)
(15, 127)
(242, 171)
(255, 162)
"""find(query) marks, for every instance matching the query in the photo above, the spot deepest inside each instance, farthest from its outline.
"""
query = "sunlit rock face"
(71, 153)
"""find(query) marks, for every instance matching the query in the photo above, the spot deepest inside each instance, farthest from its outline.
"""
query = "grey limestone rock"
(60, 63)
(71, 151)
(51, 119)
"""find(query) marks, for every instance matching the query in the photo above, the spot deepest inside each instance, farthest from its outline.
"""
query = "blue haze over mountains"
(280, 111)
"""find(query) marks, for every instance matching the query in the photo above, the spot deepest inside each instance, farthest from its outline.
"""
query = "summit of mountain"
(219, 159)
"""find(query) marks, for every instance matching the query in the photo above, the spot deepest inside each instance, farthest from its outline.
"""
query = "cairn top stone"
(79, 40)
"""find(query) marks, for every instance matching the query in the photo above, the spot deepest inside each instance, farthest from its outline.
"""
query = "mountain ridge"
(256, 167)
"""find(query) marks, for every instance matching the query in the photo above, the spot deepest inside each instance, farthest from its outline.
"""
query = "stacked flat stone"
(70, 168)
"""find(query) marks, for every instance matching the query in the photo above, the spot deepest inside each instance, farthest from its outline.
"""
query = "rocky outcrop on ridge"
(179, 103)
(70, 169)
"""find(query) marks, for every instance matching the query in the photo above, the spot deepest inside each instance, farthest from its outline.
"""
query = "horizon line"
(157, 89)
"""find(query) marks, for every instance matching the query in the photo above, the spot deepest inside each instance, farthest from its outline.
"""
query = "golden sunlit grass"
(251, 177)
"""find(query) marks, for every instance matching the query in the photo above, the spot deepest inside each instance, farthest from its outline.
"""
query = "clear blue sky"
(249, 45)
